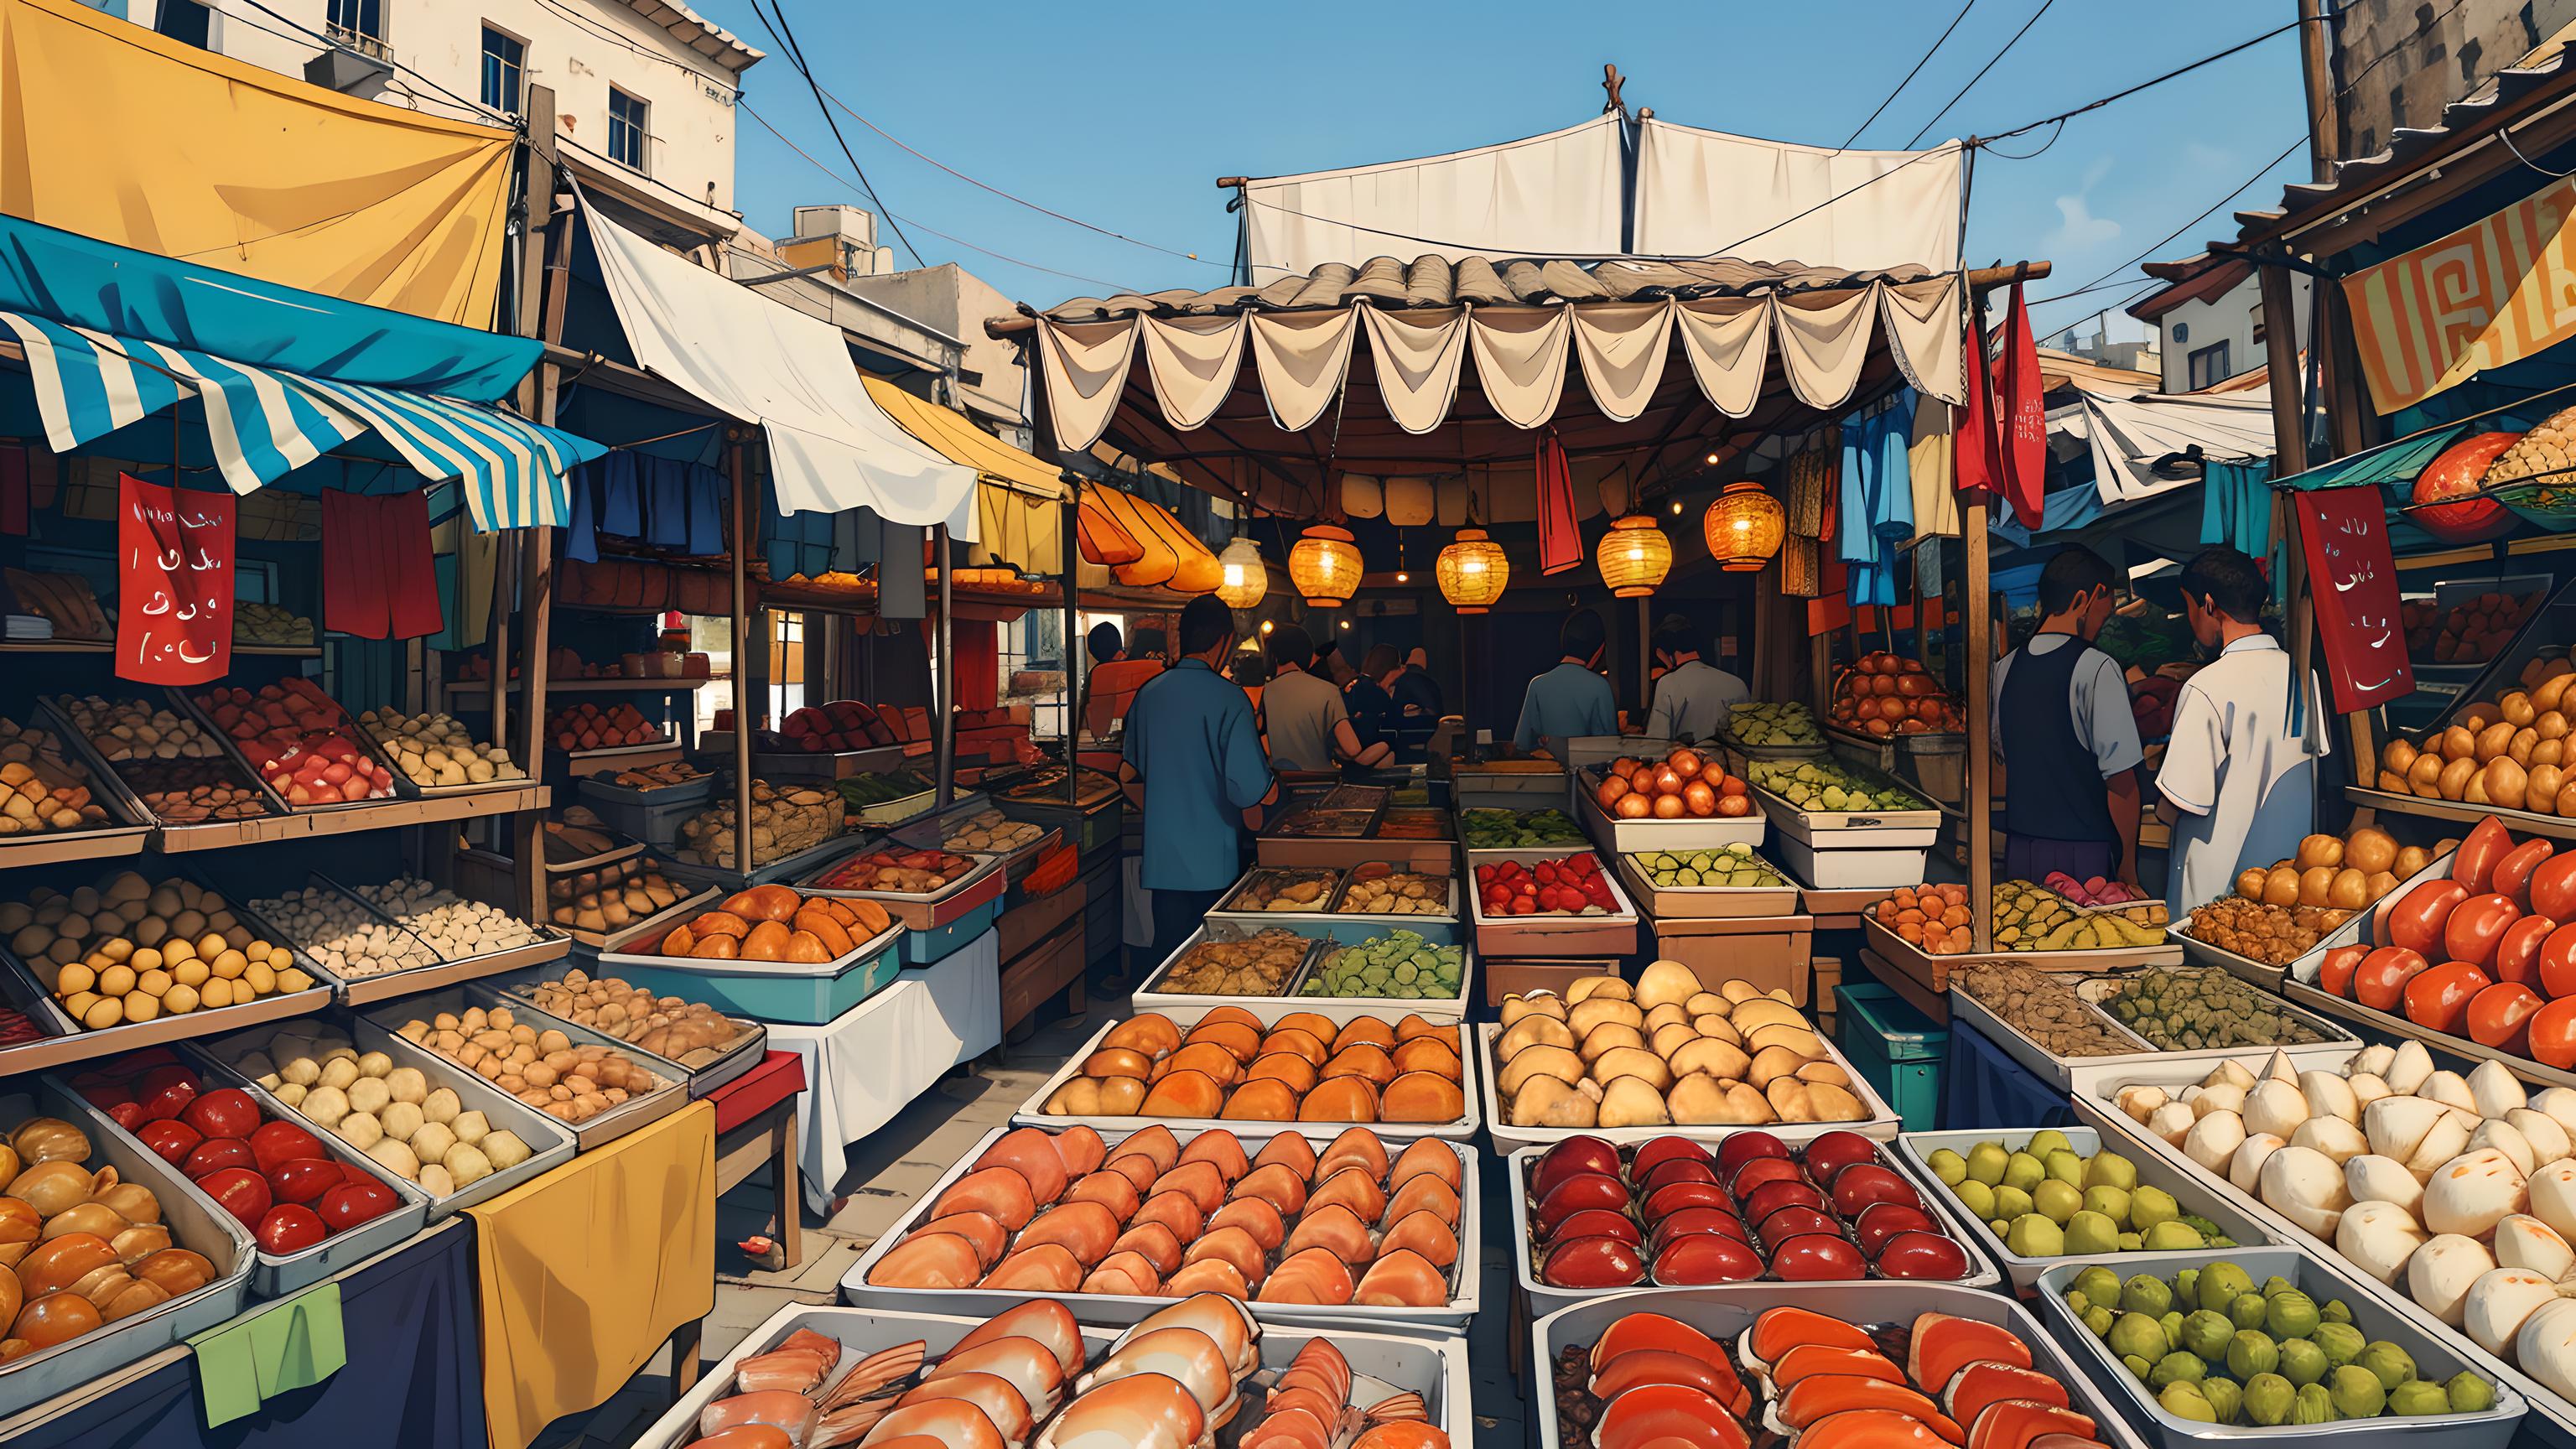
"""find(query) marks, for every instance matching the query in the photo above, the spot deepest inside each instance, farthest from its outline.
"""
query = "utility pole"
(2316, 68)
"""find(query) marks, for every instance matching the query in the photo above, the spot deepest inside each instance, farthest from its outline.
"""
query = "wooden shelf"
(106, 646)
(352, 819)
(56, 847)
(583, 686)
(2521, 822)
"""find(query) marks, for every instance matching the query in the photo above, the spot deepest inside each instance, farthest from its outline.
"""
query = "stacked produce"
(342, 934)
(1259, 965)
(454, 927)
(1283, 890)
(1573, 886)
(1673, 1213)
(2261, 931)
(1039, 1213)
(1774, 724)
(2510, 753)
(1665, 1052)
(1304, 1069)
(1400, 966)
(270, 626)
(2265, 1356)
(1374, 890)
(2344, 873)
(1961, 1382)
(67, 600)
(1684, 784)
(989, 832)
(275, 1177)
(783, 823)
(2471, 631)
(129, 729)
(2188, 1008)
(1733, 866)
(673, 1028)
(897, 871)
(2095, 892)
(42, 789)
(420, 1133)
(610, 898)
(1491, 829)
(2043, 1007)
(539, 1066)
(299, 742)
(830, 728)
(2046, 1200)
(859, 792)
(2028, 918)
(1403, 824)
(1828, 785)
(579, 836)
(130, 949)
(434, 751)
(1884, 694)
(654, 777)
(588, 726)
(174, 767)
(2459, 1192)
(775, 923)
(1931, 917)
(83, 1248)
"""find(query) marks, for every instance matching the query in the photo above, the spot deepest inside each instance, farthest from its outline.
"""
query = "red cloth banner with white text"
(174, 617)
(2353, 576)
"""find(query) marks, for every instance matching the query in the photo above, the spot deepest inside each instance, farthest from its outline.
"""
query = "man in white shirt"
(2061, 722)
(2238, 779)
(1694, 696)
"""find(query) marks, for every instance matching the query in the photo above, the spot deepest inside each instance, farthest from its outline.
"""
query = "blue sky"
(1124, 114)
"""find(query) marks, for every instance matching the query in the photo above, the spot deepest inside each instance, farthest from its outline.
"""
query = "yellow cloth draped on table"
(583, 1272)
(117, 133)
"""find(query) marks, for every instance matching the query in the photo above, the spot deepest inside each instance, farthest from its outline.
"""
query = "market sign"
(174, 556)
(2488, 294)
(2353, 576)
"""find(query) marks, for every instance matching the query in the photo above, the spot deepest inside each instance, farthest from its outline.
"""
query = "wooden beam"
(1981, 759)
(545, 269)
(2453, 167)
(741, 643)
(2281, 356)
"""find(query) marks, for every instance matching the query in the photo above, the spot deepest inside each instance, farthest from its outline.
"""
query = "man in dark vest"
(2069, 742)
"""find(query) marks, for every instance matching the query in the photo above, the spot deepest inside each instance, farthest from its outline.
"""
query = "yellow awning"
(117, 133)
(1018, 498)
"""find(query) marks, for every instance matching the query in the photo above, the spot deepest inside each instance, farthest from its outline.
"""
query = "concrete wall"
(2229, 318)
(2423, 73)
(958, 302)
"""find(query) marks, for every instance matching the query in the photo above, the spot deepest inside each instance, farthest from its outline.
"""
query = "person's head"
(2221, 586)
(1207, 630)
(1418, 659)
(1581, 637)
(1250, 670)
(2075, 589)
(1290, 648)
(1151, 643)
(1676, 640)
(1104, 645)
(1382, 663)
(1327, 650)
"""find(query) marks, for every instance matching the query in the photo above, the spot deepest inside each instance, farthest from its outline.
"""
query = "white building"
(2210, 316)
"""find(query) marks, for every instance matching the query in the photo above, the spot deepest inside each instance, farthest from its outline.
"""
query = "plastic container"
(769, 990)
(2192, 1193)
(1851, 867)
(935, 944)
(2319, 1279)
(1122, 1309)
(653, 816)
(1881, 1123)
(1614, 934)
(1624, 836)
(1899, 1051)
(1687, 903)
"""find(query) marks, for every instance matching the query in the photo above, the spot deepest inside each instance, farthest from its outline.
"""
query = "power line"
(783, 34)
(2174, 74)
(2151, 248)
(316, 37)
(1910, 75)
(1981, 72)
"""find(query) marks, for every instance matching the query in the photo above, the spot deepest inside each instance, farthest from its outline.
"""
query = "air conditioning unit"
(341, 69)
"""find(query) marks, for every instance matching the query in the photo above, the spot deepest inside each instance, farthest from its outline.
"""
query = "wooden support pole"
(947, 670)
(545, 266)
(2281, 358)
(1645, 660)
(741, 644)
(1074, 656)
(1981, 759)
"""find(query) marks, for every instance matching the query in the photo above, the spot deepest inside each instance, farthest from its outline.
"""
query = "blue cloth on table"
(1984, 1090)
(1877, 498)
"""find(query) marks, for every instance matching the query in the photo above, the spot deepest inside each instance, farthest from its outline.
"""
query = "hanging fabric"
(1976, 466)
(1931, 464)
(378, 581)
(1560, 539)
(13, 491)
(2236, 506)
(1877, 500)
(2021, 416)
(976, 654)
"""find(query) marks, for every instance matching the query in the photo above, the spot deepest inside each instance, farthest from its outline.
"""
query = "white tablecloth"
(864, 1066)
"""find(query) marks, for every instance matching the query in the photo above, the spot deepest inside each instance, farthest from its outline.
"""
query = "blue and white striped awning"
(265, 422)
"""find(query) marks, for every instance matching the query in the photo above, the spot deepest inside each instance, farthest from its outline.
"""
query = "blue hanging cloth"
(1877, 498)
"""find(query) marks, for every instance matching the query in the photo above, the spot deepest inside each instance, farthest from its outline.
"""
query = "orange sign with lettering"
(2488, 294)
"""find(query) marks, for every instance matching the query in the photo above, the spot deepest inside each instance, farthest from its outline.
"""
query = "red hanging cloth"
(977, 648)
(378, 580)
(2021, 418)
(1560, 540)
(1978, 469)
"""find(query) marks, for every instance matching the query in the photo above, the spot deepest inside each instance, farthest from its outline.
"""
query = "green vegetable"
(2226, 1399)
(2303, 1363)
(2206, 1333)
(2314, 1405)
(2417, 1398)
(2269, 1399)
(2291, 1314)
(2145, 1293)
(2357, 1392)
(2252, 1352)
(2186, 1400)
(2098, 1320)
(2247, 1310)
(2179, 1367)
(2099, 1284)
(2392, 1365)
(2341, 1343)
(1400, 965)
(2135, 1335)
(2469, 1393)
(1490, 829)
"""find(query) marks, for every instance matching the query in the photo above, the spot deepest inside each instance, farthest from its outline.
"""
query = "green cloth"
(288, 1345)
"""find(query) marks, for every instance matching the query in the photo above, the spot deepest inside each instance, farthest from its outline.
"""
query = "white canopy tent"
(2130, 433)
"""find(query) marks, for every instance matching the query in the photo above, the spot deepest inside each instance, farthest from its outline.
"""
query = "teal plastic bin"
(1898, 1050)
(806, 997)
(938, 943)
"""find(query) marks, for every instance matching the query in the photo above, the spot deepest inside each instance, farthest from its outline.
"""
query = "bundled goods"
(2047, 1200)
(1673, 1213)
(453, 926)
(2510, 754)
(1377, 891)
(1884, 694)
(776, 923)
(1773, 724)
(130, 949)
(784, 822)
(435, 750)
(41, 789)
(1257, 965)
(989, 832)
(1352, 1224)
(2472, 631)
(270, 626)
(843, 724)
(539, 1066)
(299, 741)
(673, 1028)
(1398, 966)
(1283, 890)
(1490, 829)
(2043, 1007)
(418, 1131)
(1932, 918)
(1573, 886)
(587, 726)
(2188, 1008)
(2151, 704)
(1305, 1068)
(1828, 785)
(342, 934)
(65, 599)
(1682, 784)
(897, 871)
(1665, 1052)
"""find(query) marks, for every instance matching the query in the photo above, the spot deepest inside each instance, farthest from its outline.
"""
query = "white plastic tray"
(1882, 1123)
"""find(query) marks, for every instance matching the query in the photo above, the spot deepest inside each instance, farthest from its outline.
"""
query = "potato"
(402, 1120)
(289, 1093)
(429, 1141)
(367, 1094)
(360, 1130)
(324, 1106)
(441, 1106)
(406, 1084)
(469, 1127)
(395, 1158)
(435, 1180)
(375, 1064)
(470, 1165)
(339, 1072)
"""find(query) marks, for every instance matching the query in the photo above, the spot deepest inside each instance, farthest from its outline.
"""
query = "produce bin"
(636, 1111)
(653, 816)
(1882, 1122)
(1705, 902)
(1897, 1050)
(1625, 836)
(768, 990)
(733, 1061)
(1150, 995)
(1614, 934)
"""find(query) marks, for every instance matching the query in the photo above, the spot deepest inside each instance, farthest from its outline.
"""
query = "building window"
(2209, 366)
(183, 20)
(626, 128)
(505, 58)
(2258, 324)
(359, 25)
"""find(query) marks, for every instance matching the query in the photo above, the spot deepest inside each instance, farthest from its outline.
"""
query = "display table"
(756, 1128)
(868, 1063)
(1984, 1090)
(413, 1377)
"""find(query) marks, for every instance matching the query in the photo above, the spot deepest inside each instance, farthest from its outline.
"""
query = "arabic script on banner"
(2354, 579)
(174, 618)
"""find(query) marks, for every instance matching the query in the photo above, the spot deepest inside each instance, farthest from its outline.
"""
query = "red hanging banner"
(2354, 581)
(2021, 417)
(174, 618)
(1560, 541)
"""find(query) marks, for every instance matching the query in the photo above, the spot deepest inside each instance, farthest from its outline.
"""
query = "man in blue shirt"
(1570, 700)
(1194, 765)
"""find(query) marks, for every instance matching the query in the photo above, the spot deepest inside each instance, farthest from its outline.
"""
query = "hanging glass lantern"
(1634, 556)
(1472, 572)
(1325, 566)
(1744, 527)
(1247, 578)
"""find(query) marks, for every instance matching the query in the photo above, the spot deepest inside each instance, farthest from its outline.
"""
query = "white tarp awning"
(2129, 433)
(1707, 193)
(831, 448)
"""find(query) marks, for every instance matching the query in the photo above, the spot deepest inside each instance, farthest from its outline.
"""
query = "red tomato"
(2517, 956)
(290, 1229)
(128, 1115)
(2475, 926)
(2553, 886)
(279, 1143)
(360, 1199)
(2439, 997)
(239, 1191)
(217, 1152)
(2558, 962)
(304, 1180)
(166, 1092)
(2500, 1016)
(170, 1140)
(2553, 1034)
(2416, 921)
(223, 1112)
(2513, 873)
(2334, 978)
(2380, 981)
(2473, 865)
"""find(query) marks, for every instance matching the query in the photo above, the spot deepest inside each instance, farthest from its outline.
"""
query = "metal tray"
(1383, 1364)
(1851, 829)
(1334, 1008)
(549, 1142)
(928, 832)
(2055, 1070)
(1622, 836)
(2192, 1193)
(1707, 902)
(182, 698)
(552, 944)
(734, 1060)
(1726, 739)
(105, 774)
(1544, 1299)
(1120, 1309)
(1150, 997)
(195, 1223)
(1518, 937)
(653, 927)
(928, 912)
(785, 868)
(410, 789)
(1723, 1313)
(608, 1126)
(1372, 870)
(2339, 1044)
(1227, 906)
(1348, 1008)
(1266, 1010)
(2319, 1277)
(1882, 1124)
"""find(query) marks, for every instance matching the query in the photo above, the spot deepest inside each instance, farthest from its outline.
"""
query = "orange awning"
(1164, 553)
